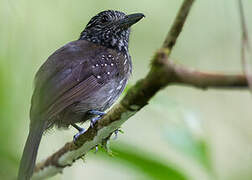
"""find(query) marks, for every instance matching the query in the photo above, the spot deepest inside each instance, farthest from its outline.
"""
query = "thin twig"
(178, 24)
(245, 46)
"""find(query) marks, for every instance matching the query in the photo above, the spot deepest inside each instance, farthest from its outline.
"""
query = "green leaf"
(145, 163)
(181, 139)
(183, 129)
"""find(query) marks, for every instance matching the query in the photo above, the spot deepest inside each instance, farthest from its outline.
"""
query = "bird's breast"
(112, 70)
(111, 65)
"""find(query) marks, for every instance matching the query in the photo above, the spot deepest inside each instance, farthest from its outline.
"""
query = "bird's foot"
(94, 112)
(78, 134)
(81, 131)
(95, 119)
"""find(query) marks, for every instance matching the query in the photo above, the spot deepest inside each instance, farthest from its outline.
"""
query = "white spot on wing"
(119, 87)
(121, 81)
(113, 41)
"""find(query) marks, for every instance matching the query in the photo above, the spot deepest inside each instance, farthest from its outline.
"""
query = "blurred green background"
(184, 133)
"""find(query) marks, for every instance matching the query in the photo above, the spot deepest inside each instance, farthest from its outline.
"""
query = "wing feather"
(65, 77)
(76, 94)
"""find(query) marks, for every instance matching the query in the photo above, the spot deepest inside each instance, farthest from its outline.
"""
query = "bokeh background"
(184, 133)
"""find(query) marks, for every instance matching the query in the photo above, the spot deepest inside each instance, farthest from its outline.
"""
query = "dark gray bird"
(80, 80)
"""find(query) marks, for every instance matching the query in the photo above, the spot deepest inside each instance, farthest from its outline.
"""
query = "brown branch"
(191, 77)
(178, 24)
(162, 73)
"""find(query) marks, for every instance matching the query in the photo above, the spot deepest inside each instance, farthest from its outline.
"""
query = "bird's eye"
(104, 19)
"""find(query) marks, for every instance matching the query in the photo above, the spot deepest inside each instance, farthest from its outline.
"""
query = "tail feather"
(27, 163)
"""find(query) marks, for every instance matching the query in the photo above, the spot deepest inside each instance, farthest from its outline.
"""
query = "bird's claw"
(94, 112)
(81, 131)
(95, 119)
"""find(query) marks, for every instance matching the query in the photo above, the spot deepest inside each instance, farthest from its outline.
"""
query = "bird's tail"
(27, 163)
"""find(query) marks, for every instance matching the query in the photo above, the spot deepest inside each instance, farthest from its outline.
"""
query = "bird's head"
(111, 29)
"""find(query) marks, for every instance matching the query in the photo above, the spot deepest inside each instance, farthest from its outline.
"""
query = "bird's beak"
(129, 20)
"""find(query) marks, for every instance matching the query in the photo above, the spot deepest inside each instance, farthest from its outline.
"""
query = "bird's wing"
(73, 95)
(64, 78)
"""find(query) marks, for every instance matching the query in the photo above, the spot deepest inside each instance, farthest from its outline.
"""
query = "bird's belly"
(103, 98)
(100, 100)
